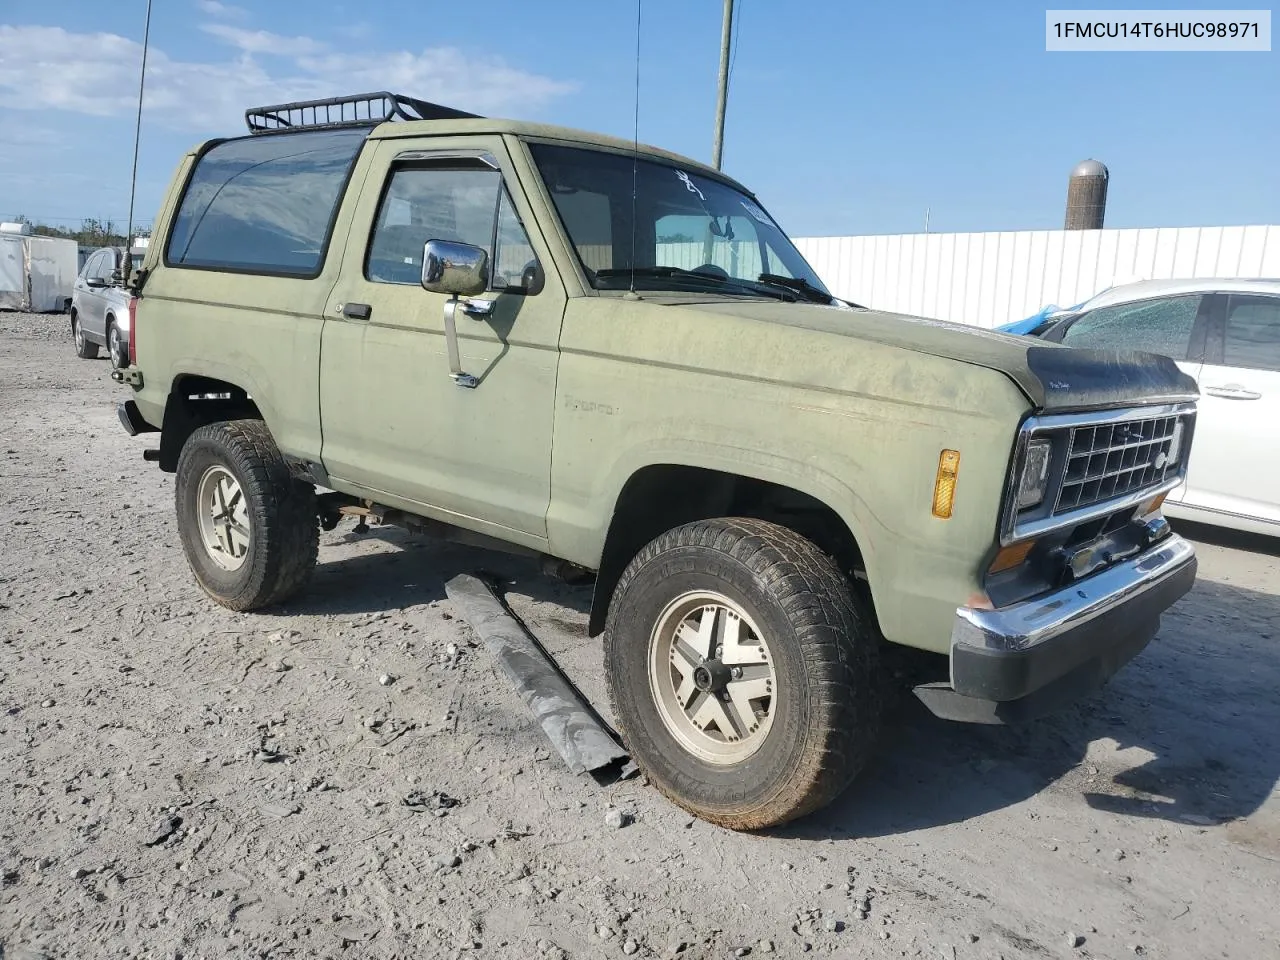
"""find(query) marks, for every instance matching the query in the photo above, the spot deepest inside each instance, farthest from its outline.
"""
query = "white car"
(1225, 334)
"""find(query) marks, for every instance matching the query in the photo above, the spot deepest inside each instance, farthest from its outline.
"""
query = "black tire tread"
(839, 644)
(288, 526)
(90, 349)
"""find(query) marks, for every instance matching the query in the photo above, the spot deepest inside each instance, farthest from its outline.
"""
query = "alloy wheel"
(712, 677)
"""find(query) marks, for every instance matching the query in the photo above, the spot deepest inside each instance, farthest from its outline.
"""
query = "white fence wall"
(987, 279)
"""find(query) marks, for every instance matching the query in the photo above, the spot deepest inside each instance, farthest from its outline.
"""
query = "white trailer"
(36, 273)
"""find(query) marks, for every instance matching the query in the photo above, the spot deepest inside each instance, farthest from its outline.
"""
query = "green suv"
(613, 357)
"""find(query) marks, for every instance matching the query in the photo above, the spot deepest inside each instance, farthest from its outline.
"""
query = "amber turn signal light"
(1152, 505)
(944, 487)
(1011, 556)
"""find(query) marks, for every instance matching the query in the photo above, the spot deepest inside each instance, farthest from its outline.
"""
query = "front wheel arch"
(661, 497)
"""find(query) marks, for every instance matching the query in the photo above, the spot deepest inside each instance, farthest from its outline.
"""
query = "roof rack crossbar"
(358, 110)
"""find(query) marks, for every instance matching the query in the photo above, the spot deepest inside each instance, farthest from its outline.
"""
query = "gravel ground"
(177, 780)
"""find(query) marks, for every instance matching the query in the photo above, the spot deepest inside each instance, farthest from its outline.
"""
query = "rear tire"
(116, 348)
(86, 349)
(794, 661)
(250, 531)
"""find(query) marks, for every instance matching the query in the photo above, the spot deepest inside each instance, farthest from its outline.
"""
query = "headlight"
(1035, 473)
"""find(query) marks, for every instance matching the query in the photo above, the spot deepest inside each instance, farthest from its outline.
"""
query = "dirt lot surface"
(180, 781)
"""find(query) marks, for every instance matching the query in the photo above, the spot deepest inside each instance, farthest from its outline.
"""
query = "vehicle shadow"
(1195, 719)
(1199, 705)
(1223, 537)
(414, 572)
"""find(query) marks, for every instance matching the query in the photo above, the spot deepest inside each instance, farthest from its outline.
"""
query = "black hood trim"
(1077, 379)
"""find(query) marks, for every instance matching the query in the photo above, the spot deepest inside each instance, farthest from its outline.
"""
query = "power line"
(737, 27)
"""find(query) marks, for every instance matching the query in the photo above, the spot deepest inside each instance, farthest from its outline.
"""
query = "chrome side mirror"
(454, 269)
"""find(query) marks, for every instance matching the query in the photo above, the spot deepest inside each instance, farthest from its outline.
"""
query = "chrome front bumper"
(1032, 657)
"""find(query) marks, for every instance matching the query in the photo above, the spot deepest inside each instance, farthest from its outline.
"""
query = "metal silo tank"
(1087, 196)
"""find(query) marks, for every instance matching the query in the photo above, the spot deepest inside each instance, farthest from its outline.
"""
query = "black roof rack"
(359, 110)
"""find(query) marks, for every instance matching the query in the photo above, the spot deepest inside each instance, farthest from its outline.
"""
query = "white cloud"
(260, 41)
(442, 75)
(215, 9)
(97, 74)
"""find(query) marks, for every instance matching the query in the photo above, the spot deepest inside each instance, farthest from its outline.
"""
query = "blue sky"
(845, 118)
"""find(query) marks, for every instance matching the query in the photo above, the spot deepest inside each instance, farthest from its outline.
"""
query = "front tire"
(249, 529)
(86, 349)
(743, 672)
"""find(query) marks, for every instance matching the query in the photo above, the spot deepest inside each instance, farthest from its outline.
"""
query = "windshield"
(690, 232)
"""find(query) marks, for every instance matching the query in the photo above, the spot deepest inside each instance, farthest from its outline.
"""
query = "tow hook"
(130, 376)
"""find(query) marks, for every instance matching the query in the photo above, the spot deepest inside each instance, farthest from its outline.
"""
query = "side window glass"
(1253, 333)
(430, 203)
(1152, 326)
(514, 254)
(264, 204)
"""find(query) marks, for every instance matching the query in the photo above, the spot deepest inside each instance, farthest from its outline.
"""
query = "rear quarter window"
(264, 204)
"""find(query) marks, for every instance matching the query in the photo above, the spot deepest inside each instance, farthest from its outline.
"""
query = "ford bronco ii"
(614, 357)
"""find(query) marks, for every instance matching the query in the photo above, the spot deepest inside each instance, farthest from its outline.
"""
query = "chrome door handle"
(478, 308)
(1233, 392)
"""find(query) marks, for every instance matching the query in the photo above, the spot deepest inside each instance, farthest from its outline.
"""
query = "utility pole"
(137, 136)
(726, 38)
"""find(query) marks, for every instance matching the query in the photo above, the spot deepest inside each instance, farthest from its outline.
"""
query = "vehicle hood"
(1052, 376)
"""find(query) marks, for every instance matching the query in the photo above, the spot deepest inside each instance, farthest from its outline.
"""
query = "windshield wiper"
(680, 274)
(804, 287)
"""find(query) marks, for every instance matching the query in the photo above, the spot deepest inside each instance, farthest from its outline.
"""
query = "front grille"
(1114, 459)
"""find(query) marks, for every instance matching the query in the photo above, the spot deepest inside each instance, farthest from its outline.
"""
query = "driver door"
(396, 425)
(92, 306)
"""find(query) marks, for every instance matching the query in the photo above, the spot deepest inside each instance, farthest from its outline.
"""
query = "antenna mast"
(726, 40)
(137, 136)
(635, 158)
